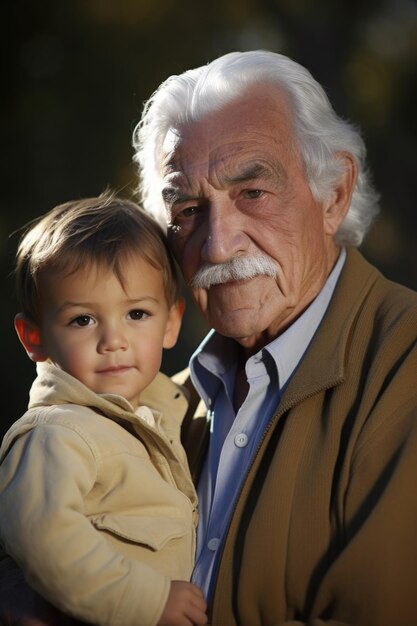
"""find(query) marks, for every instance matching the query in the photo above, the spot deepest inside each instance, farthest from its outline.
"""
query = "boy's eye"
(138, 314)
(82, 320)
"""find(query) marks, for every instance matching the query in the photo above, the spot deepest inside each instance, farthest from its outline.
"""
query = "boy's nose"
(112, 339)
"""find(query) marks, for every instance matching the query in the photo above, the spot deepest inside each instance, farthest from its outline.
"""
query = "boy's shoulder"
(82, 422)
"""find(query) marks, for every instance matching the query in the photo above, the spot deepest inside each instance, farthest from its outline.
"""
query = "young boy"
(97, 503)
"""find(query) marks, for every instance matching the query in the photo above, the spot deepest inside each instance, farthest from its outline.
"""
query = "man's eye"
(189, 211)
(138, 314)
(82, 320)
(253, 193)
(182, 219)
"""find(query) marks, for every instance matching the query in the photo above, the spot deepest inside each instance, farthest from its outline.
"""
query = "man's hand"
(185, 606)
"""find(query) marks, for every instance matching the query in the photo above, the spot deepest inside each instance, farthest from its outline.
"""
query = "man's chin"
(241, 325)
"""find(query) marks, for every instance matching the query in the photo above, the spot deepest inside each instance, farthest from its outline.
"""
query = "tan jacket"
(325, 527)
(97, 507)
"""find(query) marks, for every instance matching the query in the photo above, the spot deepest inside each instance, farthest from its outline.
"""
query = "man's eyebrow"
(253, 171)
(274, 173)
(250, 172)
(172, 195)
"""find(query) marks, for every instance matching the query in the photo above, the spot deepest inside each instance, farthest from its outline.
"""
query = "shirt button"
(213, 544)
(241, 440)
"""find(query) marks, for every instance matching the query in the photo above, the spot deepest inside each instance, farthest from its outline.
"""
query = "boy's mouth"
(115, 369)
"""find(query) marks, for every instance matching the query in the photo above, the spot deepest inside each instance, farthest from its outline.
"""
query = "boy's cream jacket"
(100, 513)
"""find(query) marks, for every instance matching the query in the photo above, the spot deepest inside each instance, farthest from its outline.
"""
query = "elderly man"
(304, 445)
(308, 479)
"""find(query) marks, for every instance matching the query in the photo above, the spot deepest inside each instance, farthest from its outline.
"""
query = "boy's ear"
(30, 337)
(174, 323)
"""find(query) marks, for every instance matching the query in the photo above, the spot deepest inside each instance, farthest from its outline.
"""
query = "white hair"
(320, 134)
(236, 268)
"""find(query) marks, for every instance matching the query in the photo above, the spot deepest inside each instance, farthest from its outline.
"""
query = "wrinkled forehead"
(248, 113)
(250, 128)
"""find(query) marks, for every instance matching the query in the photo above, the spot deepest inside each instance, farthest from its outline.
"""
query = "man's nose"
(112, 338)
(224, 235)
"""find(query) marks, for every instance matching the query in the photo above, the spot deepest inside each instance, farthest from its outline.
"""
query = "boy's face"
(107, 336)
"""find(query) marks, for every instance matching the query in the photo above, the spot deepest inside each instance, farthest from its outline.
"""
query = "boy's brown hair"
(101, 231)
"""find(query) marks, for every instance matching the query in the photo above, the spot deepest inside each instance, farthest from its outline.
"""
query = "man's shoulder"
(380, 336)
(361, 270)
(369, 294)
(395, 307)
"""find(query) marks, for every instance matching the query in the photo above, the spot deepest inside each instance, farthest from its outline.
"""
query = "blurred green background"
(75, 74)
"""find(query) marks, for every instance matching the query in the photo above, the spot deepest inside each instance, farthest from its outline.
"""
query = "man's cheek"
(177, 243)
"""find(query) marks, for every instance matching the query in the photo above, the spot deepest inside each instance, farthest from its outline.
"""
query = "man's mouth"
(233, 283)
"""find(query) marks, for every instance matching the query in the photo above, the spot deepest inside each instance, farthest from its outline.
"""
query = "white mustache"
(238, 268)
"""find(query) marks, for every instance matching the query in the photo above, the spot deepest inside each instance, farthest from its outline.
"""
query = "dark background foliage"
(75, 74)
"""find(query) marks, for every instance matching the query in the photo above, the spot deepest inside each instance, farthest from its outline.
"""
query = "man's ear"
(336, 208)
(174, 323)
(30, 337)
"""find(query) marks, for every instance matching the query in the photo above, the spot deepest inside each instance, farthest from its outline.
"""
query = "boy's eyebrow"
(70, 304)
(141, 299)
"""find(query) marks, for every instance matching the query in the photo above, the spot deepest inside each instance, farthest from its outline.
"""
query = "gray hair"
(320, 134)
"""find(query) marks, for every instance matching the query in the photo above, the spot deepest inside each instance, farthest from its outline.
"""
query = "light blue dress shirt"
(234, 437)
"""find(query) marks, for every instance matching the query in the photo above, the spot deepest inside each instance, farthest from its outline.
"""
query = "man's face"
(234, 187)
